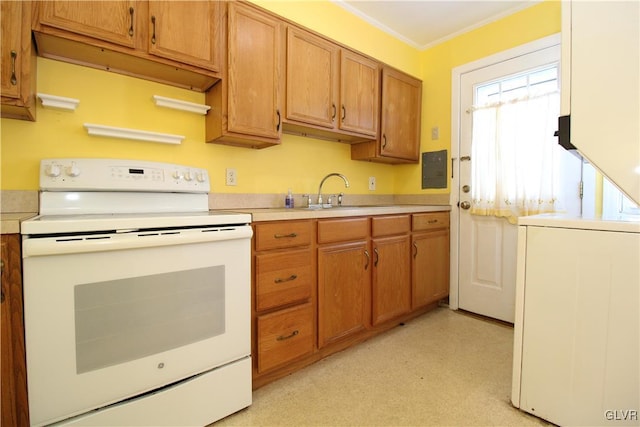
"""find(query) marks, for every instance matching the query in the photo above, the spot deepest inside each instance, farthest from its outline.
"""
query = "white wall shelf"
(139, 135)
(59, 102)
(177, 104)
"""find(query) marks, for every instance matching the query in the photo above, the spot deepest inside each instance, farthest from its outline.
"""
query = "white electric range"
(137, 298)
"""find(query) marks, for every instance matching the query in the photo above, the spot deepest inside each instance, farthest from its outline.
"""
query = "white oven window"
(117, 321)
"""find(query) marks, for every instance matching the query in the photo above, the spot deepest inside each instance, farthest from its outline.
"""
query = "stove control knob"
(177, 175)
(52, 170)
(187, 176)
(201, 177)
(72, 170)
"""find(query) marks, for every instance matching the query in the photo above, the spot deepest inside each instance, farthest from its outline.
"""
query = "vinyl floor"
(445, 368)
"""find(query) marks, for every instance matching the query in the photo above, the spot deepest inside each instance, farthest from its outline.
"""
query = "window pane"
(488, 94)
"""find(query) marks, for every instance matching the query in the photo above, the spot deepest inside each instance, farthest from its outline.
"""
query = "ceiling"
(424, 23)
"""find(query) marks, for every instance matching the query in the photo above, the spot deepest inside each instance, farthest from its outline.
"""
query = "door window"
(515, 168)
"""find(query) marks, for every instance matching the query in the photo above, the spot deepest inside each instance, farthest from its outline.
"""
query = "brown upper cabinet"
(186, 31)
(170, 42)
(359, 94)
(246, 103)
(331, 92)
(400, 117)
(117, 22)
(17, 62)
(312, 65)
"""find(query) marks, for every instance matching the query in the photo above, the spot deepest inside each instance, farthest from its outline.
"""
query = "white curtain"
(514, 157)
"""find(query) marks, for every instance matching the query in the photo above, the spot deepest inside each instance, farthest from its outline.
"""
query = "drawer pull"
(375, 251)
(14, 56)
(153, 36)
(432, 221)
(291, 335)
(131, 27)
(415, 247)
(366, 253)
(288, 279)
(282, 236)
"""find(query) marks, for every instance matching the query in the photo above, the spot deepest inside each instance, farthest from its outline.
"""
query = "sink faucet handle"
(340, 199)
(330, 199)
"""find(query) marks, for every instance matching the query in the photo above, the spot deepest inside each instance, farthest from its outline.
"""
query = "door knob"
(465, 205)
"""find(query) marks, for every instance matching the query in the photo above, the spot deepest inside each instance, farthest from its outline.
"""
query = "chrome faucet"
(344, 178)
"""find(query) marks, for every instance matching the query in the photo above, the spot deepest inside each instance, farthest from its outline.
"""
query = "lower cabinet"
(283, 293)
(323, 285)
(391, 267)
(15, 408)
(430, 258)
(344, 265)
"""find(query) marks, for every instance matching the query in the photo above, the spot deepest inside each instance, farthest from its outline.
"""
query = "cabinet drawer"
(390, 225)
(285, 234)
(283, 278)
(284, 336)
(342, 230)
(430, 221)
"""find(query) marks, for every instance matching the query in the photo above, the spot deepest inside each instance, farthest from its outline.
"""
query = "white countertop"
(10, 222)
(276, 214)
(623, 223)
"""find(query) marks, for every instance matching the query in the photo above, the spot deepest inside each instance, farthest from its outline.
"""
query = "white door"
(487, 244)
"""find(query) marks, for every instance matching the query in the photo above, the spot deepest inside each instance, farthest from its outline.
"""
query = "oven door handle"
(113, 242)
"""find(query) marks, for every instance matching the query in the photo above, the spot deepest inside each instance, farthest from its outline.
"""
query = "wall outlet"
(372, 183)
(435, 133)
(231, 177)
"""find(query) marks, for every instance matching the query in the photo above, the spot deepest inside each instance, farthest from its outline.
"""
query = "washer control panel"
(87, 174)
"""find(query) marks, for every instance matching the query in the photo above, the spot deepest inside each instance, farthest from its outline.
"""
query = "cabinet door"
(15, 410)
(17, 61)
(253, 72)
(311, 72)
(400, 118)
(11, 48)
(430, 267)
(186, 31)
(343, 281)
(112, 21)
(359, 94)
(391, 278)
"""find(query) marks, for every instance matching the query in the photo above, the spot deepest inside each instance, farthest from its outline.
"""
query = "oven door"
(111, 316)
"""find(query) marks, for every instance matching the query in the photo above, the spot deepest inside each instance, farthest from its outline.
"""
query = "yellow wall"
(298, 163)
(527, 25)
